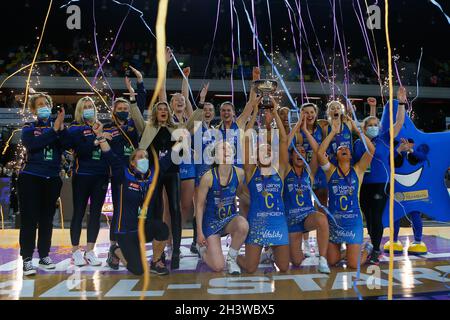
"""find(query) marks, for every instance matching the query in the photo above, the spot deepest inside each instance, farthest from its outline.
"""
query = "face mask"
(142, 165)
(122, 115)
(372, 132)
(89, 114)
(43, 113)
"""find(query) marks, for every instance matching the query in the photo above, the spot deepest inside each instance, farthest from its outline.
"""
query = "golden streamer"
(141, 226)
(7, 141)
(160, 49)
(27, 88)
(391, 154)
(84, 78)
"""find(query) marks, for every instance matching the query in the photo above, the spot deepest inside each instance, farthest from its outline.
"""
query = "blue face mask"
(372, 132)
(122, 115)
(44, 113)
(142, 165)
(89, 114)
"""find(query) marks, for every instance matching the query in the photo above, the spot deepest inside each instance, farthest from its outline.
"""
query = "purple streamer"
(270, 26)
(239, 50)
(214, 39)
(232, 50)
(100, 68)
(255, 27)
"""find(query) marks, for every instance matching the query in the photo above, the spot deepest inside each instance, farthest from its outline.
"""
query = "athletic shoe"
(78, 258)
(374, 257)
(398, 247)
(368, 247)
(175, 261)
(28, 268)
(92, 259)
(417, 248)
(323, 265)
(266, 256)
(233, 267)
(306, 249)
(46, 263)
(194, 248)
(113, 260)
(156, 268)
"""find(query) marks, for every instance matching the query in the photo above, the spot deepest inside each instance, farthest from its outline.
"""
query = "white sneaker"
(28, 268)
(78, 258)
(306, 248)
(266, 256)
(232, 266)
(46, 263)
(323, 265)
(92, 259)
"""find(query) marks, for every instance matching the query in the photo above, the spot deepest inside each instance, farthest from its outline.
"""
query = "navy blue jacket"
(88, 158)
(132, 187)
(125, 139)
(44, 148)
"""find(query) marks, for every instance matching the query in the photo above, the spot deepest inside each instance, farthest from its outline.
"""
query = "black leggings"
(83, 188)
(129, 244)
(37, 203)
(372, 201)
(115, 192)
(171, 181)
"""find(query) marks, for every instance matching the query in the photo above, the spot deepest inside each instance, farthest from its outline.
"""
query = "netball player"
(264, 175)
(344, 182)
(216, 212)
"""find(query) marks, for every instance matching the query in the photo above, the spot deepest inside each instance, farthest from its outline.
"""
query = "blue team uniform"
(297, 200)
(320, 180)
(187, 170)
(208, 136)
(266, 218)
(344, 206)
(233, 135)
(220, 206)
(379, 169)
(344, 138)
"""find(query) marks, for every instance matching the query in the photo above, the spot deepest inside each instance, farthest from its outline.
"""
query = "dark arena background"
(317, 50)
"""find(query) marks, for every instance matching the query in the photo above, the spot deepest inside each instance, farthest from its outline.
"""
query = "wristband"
(201, 105)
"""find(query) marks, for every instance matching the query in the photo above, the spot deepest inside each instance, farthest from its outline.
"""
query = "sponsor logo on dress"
(272, 235)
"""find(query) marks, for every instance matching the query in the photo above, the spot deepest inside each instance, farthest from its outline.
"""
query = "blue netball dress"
(344, 206)
(203, 163)
(233, 135)
(344, 138)
(297, 200)
(220, 206)
(187, 170)
(266, 219)
(320, 180)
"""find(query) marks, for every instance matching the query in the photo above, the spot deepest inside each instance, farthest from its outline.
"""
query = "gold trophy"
(265, 87)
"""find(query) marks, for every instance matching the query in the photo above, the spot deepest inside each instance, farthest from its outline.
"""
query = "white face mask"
(372, 131)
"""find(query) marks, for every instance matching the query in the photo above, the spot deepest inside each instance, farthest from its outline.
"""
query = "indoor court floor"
(415, 277)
